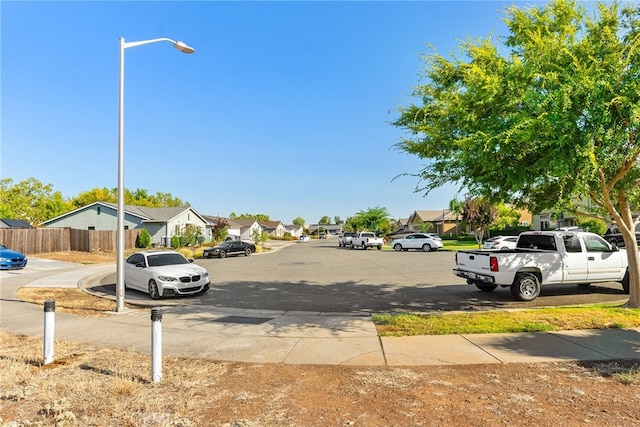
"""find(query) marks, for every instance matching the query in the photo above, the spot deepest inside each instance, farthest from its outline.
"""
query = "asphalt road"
(321, 277)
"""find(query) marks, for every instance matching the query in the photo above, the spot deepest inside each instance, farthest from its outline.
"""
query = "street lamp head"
(183, 47)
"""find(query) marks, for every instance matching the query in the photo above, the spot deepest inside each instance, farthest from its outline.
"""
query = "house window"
(98, 210)
(91, 227)
(126, 227)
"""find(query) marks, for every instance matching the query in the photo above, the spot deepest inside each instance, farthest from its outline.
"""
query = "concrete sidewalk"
(267, 336)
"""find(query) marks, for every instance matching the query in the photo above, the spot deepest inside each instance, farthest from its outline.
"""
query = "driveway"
(321, 277)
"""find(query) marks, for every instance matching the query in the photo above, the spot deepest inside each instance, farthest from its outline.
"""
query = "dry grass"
(70, 300)
(88, 386)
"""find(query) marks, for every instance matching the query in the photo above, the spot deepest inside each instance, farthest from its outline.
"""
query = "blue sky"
(284, 109)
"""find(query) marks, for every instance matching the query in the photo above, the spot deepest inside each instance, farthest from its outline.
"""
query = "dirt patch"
(79, 257)
(89, 386)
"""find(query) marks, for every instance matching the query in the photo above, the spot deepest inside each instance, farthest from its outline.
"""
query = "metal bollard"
(156, 344)
(49, 330)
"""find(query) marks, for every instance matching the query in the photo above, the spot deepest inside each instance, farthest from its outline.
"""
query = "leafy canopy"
(551, 116)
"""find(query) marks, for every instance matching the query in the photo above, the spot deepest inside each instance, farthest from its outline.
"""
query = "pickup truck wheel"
(379, 247)
(397, 247)
(525, 287)
(625, 282)
(352, 245)
(486, 288)
(426, 247)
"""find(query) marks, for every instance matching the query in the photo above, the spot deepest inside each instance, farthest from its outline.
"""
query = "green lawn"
(601, 316)
(458, 245)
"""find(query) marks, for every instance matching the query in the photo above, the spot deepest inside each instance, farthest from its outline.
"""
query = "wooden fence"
(31, 241)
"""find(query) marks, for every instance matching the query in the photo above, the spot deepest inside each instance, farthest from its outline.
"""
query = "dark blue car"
(11, 259)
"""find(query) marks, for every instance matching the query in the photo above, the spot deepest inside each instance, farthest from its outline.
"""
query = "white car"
(164, 273)
(501, 242)
(304, 239)
(422, 241)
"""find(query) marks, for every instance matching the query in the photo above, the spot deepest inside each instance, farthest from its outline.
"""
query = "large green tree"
(373, 219)
(30, 200)
(139, 197)
(548, 119)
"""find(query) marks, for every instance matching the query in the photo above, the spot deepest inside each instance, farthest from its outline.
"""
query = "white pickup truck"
(545, 257)
(365, 240)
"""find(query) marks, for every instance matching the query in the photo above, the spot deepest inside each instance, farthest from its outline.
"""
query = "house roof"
(14, 223)
(270, 224)
(433, 215)
(147, 214)
(212, 219)
(246, 222)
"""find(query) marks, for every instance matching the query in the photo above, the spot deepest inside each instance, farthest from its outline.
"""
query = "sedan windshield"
(166, 259)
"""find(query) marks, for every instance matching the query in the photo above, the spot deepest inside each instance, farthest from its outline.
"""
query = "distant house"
(274, 228)
(441, 222)
(295, 230)
(248, 228)
(14, 223)
(233, 228)
(161, 223)
(328, 228)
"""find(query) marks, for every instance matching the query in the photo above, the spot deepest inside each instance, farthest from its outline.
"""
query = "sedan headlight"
(167, 279)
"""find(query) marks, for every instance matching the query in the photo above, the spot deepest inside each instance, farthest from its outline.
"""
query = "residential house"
(442, 222)
(274, 228)
(14, 223)
(334, 229)
(248, 228)
(295, 230)
(161, 223)
(233, 227)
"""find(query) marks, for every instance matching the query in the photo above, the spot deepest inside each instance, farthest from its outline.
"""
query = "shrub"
(144, 239)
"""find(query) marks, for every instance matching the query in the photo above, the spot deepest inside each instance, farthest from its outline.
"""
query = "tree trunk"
(627, 227)
(633, 255)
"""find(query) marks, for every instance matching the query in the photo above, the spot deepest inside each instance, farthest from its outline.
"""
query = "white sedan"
(164, 273)
(423, 241)
(501, 242)
(304, 239)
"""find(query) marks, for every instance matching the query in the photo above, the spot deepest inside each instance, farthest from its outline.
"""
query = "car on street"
(304, 239)
(345, 239)
(10, 259)
(163, 273)
(501, 242)
(230, 247)
(422, 241)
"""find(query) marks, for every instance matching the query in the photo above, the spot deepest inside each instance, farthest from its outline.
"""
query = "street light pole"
(182, 47)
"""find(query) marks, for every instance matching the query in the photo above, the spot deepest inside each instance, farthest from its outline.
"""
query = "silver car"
(164, 273)
(423, 241)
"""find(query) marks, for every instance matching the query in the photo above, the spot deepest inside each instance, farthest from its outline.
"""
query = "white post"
(182, 47)
(156, 344)
(49, 330)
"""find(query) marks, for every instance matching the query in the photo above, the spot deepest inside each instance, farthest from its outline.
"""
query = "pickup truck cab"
(365, 240)
(545, 257)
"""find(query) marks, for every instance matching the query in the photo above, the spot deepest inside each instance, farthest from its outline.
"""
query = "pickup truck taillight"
(493, 263)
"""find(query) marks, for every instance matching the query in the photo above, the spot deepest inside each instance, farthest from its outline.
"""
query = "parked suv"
(613, 235)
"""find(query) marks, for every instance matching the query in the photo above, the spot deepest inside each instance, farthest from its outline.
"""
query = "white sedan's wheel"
(154, 293)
